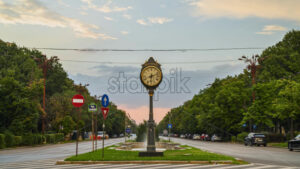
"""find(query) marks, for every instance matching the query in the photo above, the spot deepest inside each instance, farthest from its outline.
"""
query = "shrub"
(233, 138)
(2, 141)
(18, 140)
(59, 137)
(241, 137)
(273, 137)
(27, 139)
(9, 139)
(37, 139)
(50, 138)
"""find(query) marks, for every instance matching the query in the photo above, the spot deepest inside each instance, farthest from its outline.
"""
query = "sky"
(195, 41)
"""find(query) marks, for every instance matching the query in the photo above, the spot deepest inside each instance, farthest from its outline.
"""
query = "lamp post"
(151, 77)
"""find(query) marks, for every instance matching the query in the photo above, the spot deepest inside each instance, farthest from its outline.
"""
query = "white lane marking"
(237, 166)
(206, 166)
(173, 165)
(264, 166)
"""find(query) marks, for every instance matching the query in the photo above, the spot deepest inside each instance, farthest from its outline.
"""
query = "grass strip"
(187, 154)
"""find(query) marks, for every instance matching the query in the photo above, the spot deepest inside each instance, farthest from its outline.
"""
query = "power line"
(195, 62)
(148, 50)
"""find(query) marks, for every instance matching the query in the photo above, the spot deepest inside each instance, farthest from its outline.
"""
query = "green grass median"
(188, 154)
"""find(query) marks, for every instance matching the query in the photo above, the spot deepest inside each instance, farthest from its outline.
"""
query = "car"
(114, 136)
(294, 143)
(206, 138)
(182, 136)
(255, 139)
(196, 137)
(121, 135)
(215, 138)
(202, 137)
(100, 135)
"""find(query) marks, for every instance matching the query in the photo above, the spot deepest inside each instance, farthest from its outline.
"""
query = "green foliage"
(68, 125)
(50, 138)
(21, 93)
(18, 140)
(2, 141)
(59, 137)
(38, 138)
(227, 104)
(9, 139)
(241, 136)
(273, 137)
(28, 139)
(141, 132)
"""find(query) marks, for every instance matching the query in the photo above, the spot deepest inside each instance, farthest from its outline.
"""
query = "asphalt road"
(46, 156)
(54, 151)
(263, 155)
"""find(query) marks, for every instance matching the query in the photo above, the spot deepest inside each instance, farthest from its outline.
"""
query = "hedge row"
(9, 140)
(54, 138)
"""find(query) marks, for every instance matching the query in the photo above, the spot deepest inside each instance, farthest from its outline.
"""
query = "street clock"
(151, 74)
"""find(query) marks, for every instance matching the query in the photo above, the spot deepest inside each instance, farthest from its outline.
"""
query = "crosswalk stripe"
(206, 166)
(237, 166)
(263, 167)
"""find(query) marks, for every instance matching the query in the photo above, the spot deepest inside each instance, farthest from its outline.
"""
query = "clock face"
(151, 76)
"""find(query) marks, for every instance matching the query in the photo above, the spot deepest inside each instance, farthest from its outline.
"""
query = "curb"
(143, 162)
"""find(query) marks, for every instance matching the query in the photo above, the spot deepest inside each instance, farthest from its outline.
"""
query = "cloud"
(83, 13)
(106, 8)
(110, 70)
(31, 12)
(240, 9)
(108, 18)
(270, 29)
(124, 32)
(159, 20)
(154, 20)
(264, 33)
(274, 28)
(141, 22)
(63, 3)
(127, 16)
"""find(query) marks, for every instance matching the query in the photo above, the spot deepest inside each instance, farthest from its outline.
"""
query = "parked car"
(207, 138)
(121, 135)
(100, 135)
(202, 137)
(216, 138)
(182, 136)
(294, 143)
(255, 139)
(196, 137)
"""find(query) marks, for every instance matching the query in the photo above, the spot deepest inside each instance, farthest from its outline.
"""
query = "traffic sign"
(77, 100)
(105, 100)
(169, 126)
(92, 107)
(104, 112)
(128, 130)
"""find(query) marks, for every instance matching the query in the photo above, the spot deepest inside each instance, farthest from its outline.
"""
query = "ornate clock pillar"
(151, 127)
(151, 77)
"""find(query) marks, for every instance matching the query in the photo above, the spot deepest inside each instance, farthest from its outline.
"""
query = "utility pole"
(253, 66)
(45, 64)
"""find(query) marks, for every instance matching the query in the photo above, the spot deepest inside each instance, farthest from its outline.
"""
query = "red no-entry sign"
(77, 100)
